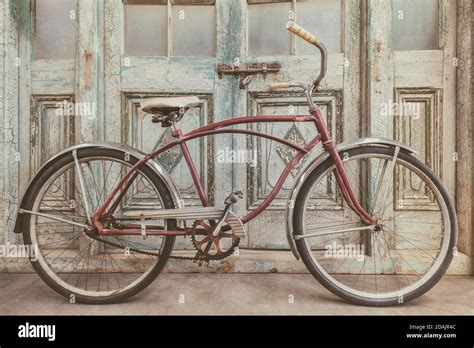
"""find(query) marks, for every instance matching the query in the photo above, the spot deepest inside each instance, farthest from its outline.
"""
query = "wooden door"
(111, 53)
(171, 48)
(47, 65)
(59, 70)
(412, 91)
(264, 39)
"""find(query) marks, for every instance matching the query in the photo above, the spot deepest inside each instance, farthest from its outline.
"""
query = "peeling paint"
(88, 69)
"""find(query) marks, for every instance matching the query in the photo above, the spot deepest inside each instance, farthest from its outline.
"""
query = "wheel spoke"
(73, 259)
(384, 261)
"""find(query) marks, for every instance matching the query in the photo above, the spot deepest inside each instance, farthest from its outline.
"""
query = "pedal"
(233, 198)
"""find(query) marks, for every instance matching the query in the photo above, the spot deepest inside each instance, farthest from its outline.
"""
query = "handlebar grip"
(280, 85)
(301, 32)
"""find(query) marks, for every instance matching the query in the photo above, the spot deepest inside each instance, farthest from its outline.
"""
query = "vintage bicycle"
(106, 240)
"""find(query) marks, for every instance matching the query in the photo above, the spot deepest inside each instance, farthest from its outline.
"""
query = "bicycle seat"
(167, 105)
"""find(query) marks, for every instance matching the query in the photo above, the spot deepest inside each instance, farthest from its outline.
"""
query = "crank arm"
(233, 198)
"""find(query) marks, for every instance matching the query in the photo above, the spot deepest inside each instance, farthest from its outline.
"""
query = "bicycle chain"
(198, 257)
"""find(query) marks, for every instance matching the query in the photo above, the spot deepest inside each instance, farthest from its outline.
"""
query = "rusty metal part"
(245, 81)
(204, 244)
(247, 69)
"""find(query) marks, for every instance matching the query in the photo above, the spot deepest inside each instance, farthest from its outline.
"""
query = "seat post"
(176, 132)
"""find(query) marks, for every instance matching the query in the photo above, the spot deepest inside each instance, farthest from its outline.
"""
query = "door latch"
(246, 71)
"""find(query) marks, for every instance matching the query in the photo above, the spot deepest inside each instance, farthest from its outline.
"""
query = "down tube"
(281, 180)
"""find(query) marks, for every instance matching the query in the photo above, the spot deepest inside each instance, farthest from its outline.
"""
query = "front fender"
(303, 175)
(152, 163)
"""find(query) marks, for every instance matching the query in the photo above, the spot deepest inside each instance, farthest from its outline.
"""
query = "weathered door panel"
(139, 70)
(338, 96)
(47, 67)
(412, 89)
(184, 65)
(51, 91)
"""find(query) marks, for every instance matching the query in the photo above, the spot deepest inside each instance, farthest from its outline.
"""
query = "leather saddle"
(167, 105)
(168, 109)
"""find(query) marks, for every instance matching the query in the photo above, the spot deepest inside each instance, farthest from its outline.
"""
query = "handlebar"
(302, 33)
(310, 38)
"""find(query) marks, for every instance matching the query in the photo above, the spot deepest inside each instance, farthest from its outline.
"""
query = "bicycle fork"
(339, 172)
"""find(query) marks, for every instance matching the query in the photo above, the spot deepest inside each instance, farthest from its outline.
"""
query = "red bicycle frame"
(221, 128)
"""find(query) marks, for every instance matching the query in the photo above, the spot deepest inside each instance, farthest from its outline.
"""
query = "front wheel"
(401, 258)
(83, 266)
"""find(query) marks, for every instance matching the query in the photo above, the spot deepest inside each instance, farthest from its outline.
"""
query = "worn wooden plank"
(351, 68)
(89, 68)
(113, 28)
(414, 67)
(380, 65)
(231, 48)
(172, 74)
(464, 127)
(381, 80)
(240, 171)
(53, 77)
(24, 93)
(11, 149)
(448, 145)
(3, 145)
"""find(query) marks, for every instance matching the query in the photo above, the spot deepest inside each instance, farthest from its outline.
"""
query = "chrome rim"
(397, 257)
(81, 264)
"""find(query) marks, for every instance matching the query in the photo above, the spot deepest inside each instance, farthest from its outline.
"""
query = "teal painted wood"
(44, 84)
(381, 64)
(465, 126)
(231, 43)
(89, 68)
(340, 101)
(113, 14)
(415, 76)
(2, 113)
(11, 122)
(130, 78)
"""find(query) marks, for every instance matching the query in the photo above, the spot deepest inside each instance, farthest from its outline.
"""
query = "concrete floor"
(230, 294)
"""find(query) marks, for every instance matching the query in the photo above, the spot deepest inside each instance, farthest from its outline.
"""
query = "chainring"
(204, 245)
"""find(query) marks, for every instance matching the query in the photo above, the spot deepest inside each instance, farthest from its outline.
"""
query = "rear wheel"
(87, 267)
(394, 262)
